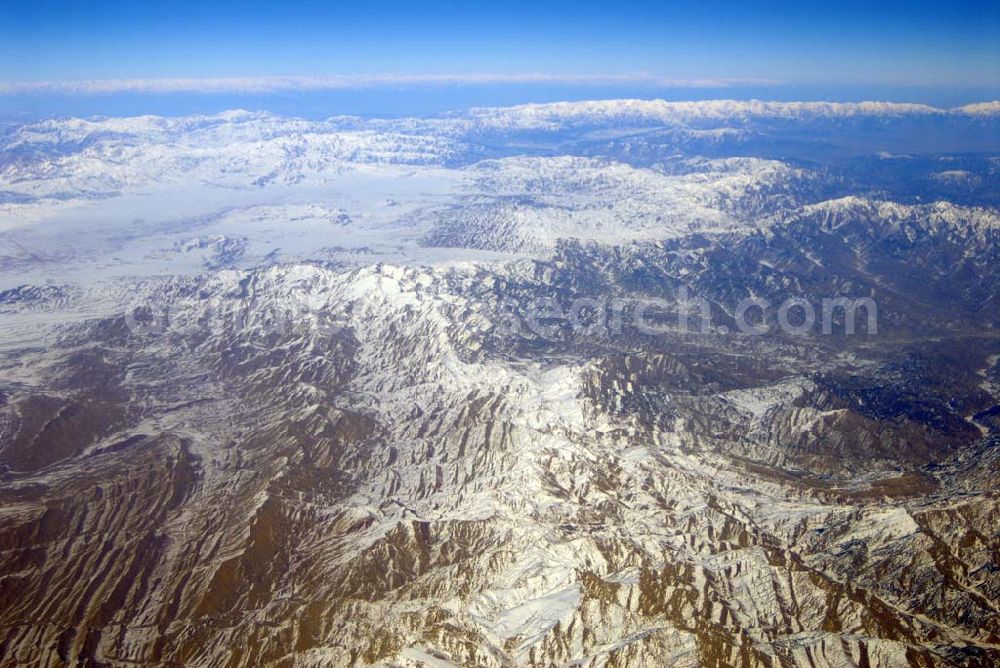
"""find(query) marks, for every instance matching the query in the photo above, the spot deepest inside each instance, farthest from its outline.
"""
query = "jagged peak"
(934, 213)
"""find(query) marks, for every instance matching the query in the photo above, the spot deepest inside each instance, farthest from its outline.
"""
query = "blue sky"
(657, 45)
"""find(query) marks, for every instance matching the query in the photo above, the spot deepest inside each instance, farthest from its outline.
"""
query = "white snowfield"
(148, 195)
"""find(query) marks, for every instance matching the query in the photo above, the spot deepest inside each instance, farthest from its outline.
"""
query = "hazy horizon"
(315, 59)
(442, 98)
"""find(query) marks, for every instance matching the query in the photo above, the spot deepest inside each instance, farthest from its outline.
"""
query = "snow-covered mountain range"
(262, 402)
